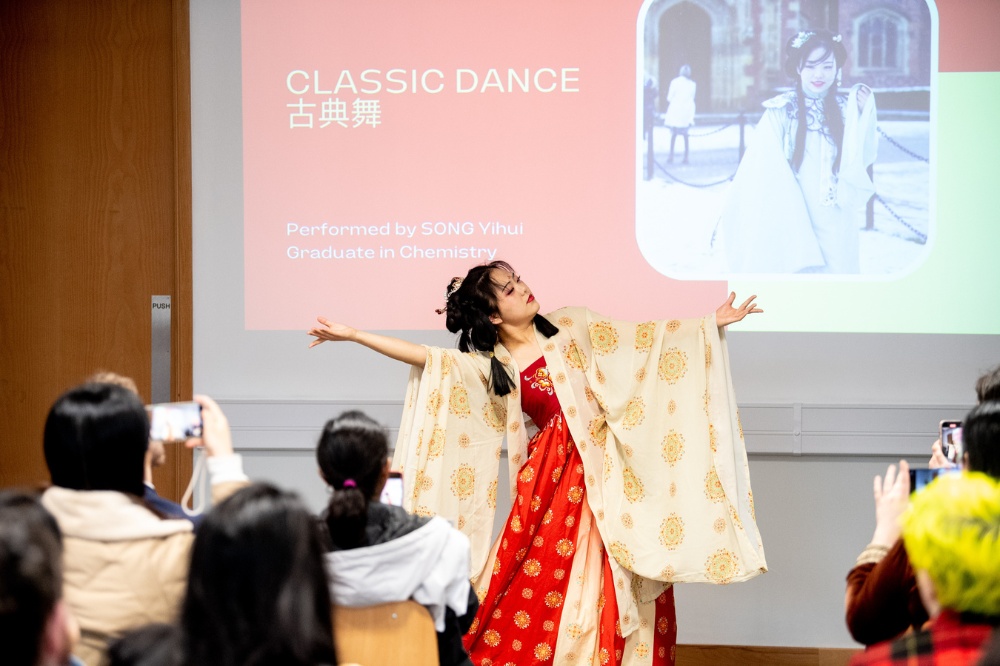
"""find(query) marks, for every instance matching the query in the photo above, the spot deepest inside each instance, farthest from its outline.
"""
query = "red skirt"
(521, 618)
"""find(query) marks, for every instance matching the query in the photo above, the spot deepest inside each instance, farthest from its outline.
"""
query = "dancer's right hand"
(331, 331)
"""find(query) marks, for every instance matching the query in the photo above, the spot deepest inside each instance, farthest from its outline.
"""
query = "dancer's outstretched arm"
(395, 348)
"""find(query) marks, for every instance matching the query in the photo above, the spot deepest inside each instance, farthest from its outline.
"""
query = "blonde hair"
(107, 377)
(952, 531)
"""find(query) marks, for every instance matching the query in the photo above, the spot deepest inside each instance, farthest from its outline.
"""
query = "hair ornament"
(350, 483)
(456, 284)
(838, 38)
(804, 36)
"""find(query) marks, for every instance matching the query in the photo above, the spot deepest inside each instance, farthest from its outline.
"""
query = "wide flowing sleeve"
(654, 415)
(765, 225)
(449, 445)
(860, 148)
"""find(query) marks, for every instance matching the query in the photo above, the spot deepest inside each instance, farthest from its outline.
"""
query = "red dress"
(518, 621)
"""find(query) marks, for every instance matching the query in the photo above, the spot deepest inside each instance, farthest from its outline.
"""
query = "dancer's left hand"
(727, 314)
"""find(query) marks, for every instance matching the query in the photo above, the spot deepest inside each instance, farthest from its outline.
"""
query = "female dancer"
(797, 202)
(627, 467)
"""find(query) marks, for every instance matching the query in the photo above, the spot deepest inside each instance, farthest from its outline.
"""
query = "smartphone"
(921, 477)
(174, 421)
(393, 491)
(951, 440)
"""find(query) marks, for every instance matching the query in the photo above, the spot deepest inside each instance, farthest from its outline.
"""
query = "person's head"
(685, 71)
(353, 459)
(156, 455)
(35, 625)
(813, 59)
(981, 439)
(988, 386)
(257, 589)
(488, 298)
(952, 536)
(95, 439)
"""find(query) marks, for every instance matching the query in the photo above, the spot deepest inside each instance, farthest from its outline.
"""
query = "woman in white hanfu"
(628, 470)
(797, 202)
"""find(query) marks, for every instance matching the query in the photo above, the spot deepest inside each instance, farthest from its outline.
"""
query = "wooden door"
(95, 207)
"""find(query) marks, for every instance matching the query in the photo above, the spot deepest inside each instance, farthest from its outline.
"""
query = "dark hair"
(353, 448)
(30, 575)
(988, 386)
(257, 589)
(981, 438)
(153, 645)
(797, 51)
(469, 308)
(95, 439)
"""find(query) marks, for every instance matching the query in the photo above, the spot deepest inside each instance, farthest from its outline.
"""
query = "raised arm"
(395, 348)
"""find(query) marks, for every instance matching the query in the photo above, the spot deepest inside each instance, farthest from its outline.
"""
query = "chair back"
(385, 635)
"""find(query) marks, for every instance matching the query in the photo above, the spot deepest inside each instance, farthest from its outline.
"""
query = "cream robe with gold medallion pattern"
(652, 410)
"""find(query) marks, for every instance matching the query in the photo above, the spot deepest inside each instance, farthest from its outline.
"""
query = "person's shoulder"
(780, 101)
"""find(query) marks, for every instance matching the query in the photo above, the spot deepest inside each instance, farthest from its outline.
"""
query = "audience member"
(124, 565)
(156, 456)
(36, 627)
(257, 592)
(952, 536)
(882, 600)
(380, 553)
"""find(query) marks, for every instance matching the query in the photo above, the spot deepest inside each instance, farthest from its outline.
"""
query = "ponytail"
(352, 454)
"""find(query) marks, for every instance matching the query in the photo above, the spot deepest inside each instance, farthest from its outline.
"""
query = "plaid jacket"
(950, 640)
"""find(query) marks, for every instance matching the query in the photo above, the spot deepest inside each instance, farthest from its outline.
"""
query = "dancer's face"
(818, 72)
(515, 302)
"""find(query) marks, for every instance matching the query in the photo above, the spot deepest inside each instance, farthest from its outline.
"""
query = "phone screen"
(919, 478)
(174, 421)
(951, 440)
(393, 491)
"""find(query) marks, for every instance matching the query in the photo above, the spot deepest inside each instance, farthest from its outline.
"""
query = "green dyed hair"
(952, 531)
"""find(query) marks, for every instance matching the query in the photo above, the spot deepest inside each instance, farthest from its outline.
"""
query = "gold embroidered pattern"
(574, 356)
(708, 354)
(575, 494)
(633, 486)
(672, 366)
(719, 525)
(627, 520)
(435, 447)
(635, 412)
(458, 401)
(522, 619)
(604, 337)
(671, 407)
(532, 568)
(495, 415)
(541, 380)
(673, 325)
(565, 322)
(564, 547)
(598, 430)
(434, 402)
(543, 651)
(527, 474)
(640, 374)
(621, 553)
(713, 438)
(491, 637)
(672, 531)
(673, 447)
(713, 486)
(464, 440)
(463, 481)
(644, 334)
(721, 566)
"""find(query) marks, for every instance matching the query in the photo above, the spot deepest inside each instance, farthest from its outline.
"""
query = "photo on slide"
(729, 182)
